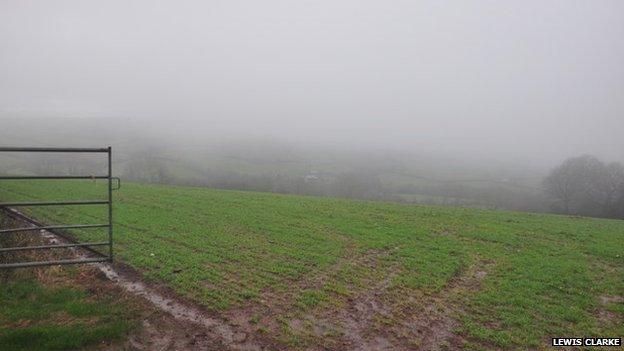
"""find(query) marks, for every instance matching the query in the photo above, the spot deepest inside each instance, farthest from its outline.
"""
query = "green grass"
(541, 275)
(60, 316)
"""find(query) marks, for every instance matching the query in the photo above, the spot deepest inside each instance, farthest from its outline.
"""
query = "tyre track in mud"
(433, 325)
(217, 330)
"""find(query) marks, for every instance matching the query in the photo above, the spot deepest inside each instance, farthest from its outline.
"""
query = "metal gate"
(7, 206)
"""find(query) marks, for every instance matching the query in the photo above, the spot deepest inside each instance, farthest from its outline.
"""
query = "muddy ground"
(168, 322)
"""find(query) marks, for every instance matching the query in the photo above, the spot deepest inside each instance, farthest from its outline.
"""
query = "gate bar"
(52, 263)
(52, 149)
(63, 203)
(41, 247)
(15, 214)
(51, 177)
(48, 227)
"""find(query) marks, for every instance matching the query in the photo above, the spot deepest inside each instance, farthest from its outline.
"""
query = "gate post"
(110, 204)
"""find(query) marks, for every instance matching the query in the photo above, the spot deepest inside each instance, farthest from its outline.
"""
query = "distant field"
(309, 271)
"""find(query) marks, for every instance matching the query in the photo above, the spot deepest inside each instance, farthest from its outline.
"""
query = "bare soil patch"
(168, 322)
(606, 299)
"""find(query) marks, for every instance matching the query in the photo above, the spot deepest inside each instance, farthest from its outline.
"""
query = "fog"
(522, 79)
(438, 90)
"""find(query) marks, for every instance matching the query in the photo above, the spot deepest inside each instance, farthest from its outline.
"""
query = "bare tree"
(613, 189)
(564, 182)
(585, 185)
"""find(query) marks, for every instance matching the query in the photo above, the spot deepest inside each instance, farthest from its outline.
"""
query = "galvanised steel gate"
(88, 245)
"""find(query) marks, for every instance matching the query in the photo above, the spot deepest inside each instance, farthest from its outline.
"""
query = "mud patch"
(434, 325)
(168, 335)
(434, 329)
(357, 320)
(606, 299)
(480, 274)
(606, 317)
(190, 328)
(382, 317)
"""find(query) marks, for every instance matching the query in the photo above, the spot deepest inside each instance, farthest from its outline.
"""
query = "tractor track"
(218, 330)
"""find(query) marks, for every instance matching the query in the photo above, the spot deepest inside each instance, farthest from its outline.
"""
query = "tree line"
(587, 186)
(579, 186)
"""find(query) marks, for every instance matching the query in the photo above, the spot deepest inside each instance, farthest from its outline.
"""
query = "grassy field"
(309, 271)
(58, 309)
(59, 316)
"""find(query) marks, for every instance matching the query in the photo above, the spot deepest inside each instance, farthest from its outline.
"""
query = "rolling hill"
(324, 272)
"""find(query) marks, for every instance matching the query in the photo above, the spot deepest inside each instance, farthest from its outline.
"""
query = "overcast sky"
(513, 78)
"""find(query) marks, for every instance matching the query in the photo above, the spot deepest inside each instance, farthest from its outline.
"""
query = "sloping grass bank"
(301, 268)
(57, 309)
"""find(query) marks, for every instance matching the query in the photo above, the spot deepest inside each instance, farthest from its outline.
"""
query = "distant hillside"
(145, 152)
